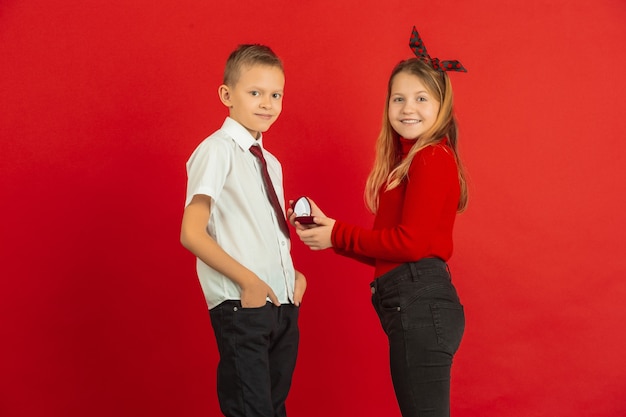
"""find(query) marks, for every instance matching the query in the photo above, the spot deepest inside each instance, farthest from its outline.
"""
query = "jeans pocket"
(449, 319)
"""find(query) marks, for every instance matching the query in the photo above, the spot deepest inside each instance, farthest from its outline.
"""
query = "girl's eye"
(421, 99)
(398, 99)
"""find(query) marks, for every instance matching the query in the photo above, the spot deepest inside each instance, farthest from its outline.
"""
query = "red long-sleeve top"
(414, 220)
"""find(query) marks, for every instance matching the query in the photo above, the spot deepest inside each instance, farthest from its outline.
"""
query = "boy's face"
(256, 100)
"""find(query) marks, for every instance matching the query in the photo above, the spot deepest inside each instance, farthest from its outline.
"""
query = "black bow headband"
(417, 45)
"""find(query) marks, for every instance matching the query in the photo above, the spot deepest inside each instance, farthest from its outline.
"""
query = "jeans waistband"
(411, 271)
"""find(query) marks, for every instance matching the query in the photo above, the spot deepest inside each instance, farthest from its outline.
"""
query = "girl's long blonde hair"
(389, 169)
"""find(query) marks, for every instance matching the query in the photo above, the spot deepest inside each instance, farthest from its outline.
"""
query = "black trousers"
(258, 349)
(423, 318)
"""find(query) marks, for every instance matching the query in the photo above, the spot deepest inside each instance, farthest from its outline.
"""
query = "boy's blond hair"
(246, 56)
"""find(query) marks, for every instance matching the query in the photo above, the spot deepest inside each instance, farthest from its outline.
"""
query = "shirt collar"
(240, 134)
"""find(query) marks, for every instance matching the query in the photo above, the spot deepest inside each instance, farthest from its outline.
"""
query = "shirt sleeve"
(363, 259)
(207, 169)
(431, 180)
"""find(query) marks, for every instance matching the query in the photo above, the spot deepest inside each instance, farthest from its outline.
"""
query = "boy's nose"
(266, 103)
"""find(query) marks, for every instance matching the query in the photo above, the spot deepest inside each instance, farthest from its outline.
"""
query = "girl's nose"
(408, 108)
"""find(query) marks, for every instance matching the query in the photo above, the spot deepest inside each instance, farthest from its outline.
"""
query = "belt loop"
(414, 270)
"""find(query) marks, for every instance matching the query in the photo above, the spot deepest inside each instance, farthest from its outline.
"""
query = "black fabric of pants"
(258, 349)
(423, 318)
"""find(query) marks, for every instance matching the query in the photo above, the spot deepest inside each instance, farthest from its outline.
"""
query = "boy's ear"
(224, 92)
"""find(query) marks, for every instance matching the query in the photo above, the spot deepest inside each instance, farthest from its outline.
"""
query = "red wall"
(101, 103)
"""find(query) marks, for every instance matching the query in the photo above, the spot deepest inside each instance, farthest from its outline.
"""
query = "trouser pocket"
(449, 321)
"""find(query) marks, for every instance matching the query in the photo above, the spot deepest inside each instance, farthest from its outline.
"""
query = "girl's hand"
(291, 216)
(299, 288)
(315, 211)
(318, 236)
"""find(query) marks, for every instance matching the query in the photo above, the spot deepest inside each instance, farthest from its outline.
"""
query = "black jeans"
(424, 320)
(258, 349)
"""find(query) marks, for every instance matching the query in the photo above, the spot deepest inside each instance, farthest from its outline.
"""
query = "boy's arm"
(194, 237)
(299, 288)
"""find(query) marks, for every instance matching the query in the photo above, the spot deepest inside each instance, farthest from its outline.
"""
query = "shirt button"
(283, 243)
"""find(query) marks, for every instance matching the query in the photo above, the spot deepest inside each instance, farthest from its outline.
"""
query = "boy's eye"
(254, 93)
(277, 95)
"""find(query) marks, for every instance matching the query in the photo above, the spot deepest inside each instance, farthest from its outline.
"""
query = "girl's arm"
(431, 195)
(321, 238)
(361, 258)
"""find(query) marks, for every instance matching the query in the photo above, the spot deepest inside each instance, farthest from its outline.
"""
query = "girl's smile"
(412, 109)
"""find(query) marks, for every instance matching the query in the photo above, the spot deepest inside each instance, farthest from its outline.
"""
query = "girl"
(415, 189)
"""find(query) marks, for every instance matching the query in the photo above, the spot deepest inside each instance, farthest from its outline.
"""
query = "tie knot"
(256, 151)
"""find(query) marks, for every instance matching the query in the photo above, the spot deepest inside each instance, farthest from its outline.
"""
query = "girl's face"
(412, 109)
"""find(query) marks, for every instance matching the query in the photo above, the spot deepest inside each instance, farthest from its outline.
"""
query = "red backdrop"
(101, 103)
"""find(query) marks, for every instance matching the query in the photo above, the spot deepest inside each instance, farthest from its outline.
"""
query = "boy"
(243, 261)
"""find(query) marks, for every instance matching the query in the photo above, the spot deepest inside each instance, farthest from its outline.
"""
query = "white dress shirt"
(242, 219)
